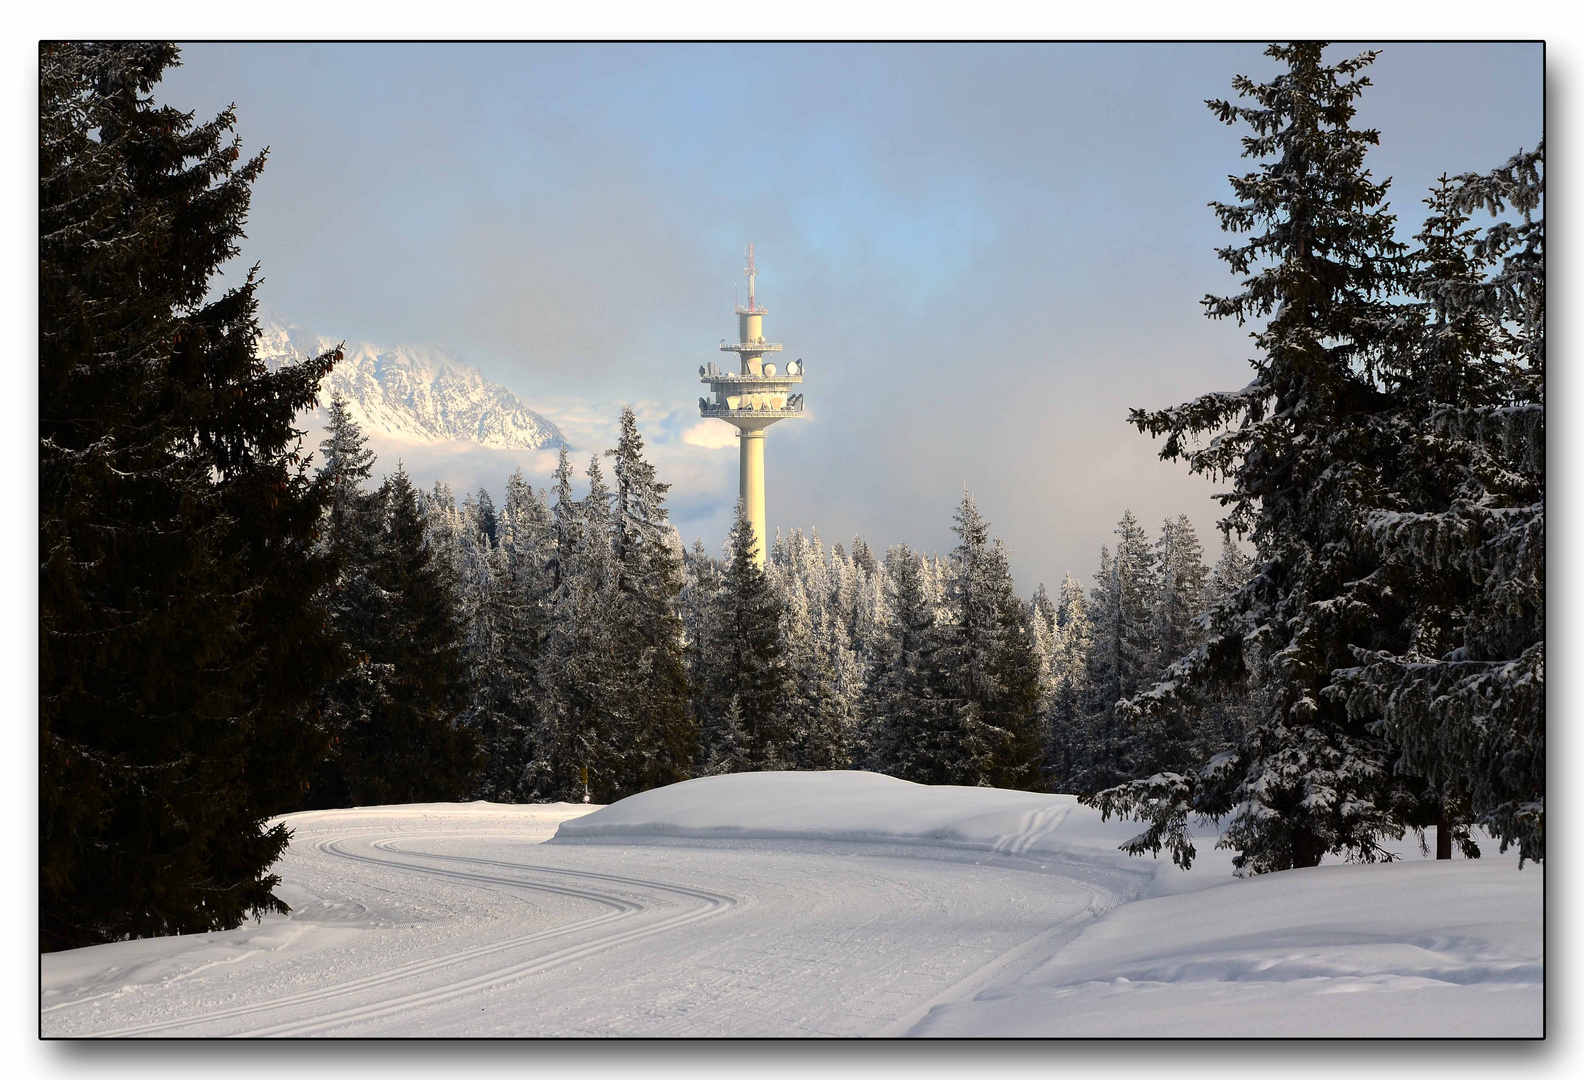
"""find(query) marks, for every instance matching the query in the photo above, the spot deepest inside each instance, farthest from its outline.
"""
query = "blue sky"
(985, 253)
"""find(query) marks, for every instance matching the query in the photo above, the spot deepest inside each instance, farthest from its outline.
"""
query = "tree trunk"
(1307, 848)
(1443, 835)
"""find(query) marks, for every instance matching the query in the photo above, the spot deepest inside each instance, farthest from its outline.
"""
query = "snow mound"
(870, 807)
(1398, 949)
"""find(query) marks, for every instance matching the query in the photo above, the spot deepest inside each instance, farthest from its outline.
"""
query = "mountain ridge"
(420, 393)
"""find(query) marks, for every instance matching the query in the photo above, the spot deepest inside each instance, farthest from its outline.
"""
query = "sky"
(984, 254)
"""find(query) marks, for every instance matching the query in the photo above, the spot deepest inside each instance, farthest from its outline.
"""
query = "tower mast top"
(750, 273)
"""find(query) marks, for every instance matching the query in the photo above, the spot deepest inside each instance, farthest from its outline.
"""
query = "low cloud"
(685, 452)
(711, 435)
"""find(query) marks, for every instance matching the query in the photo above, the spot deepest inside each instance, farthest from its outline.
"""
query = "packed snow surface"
(817, 904)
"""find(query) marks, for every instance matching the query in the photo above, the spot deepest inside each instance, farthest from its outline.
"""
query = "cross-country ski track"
(838, 904)
(707, 937)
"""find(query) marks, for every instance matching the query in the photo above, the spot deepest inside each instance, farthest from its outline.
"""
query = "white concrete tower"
(751, 399)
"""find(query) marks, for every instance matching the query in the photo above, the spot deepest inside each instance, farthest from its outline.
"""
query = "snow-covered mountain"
(414, 392)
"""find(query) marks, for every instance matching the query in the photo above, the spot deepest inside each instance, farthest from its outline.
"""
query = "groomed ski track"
(619, 910)
(459, 923)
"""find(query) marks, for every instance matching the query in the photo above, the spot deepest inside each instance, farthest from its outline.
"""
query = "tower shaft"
(750, 449)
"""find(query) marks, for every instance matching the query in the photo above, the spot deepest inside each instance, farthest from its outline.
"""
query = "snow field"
(842, 904)
(1408, 949)
(1415, 947)
(467, 924)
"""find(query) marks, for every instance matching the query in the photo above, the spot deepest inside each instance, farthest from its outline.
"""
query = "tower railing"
(724, 376)
(710, 409)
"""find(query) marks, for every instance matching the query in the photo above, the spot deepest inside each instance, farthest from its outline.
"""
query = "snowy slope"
(459, 920)
(817, 904)
(416, 393)
(1401, 949)
(1415, 947)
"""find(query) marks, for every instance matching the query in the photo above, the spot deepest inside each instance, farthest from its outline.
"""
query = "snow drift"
(869, 807)
(1443, 949)
(1415, 947)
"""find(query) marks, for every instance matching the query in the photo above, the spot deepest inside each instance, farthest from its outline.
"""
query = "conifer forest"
(236, 624)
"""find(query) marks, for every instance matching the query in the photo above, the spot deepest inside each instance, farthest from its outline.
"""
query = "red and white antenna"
(749, 271)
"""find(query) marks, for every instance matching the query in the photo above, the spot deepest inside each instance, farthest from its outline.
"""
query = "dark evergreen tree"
(395, 715)
(987, 653)
(1304, 453)
(821, 717)
(914, 734)
(347, 464)
(1169, 739)
(178, 642)
(485, 515)
(350, 600)
(1461, 525)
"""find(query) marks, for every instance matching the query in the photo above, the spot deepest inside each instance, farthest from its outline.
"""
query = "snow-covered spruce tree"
(554, 771)
(1302, 449)
(658, 739)
(825, 722)
(744, 666)
(469, 565)
(863, 558)
(1169, 740)
(1067, 749)
(913, 734)
(728, 748)
(987, 653)
(699, 608)
(841, 658)
(857, 597)
(505, 637)
(1121, 658)
(1047, 642)
(820, 714)
(584, 708)
(178, 641)
(484, 517)
(1181, 578)
(601, 710)
(1462, 531)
